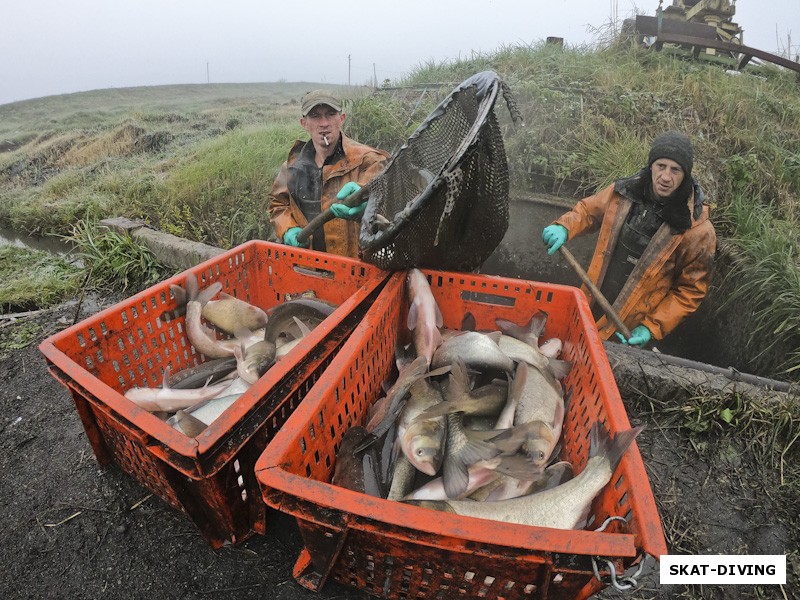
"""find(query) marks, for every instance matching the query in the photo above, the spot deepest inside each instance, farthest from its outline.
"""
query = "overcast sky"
(62, 46)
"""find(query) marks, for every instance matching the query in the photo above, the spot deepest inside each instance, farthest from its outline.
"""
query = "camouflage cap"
(317, 97)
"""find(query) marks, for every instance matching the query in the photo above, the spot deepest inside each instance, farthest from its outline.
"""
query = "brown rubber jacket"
(361, 163)
(670, 279)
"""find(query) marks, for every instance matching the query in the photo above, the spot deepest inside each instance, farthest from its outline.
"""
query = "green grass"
(114, 259)
(30, 279)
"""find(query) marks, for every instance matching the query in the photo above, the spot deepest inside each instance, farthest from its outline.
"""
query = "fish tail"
(601, 444)
(192, 287)
(559, 368)
(537, 323)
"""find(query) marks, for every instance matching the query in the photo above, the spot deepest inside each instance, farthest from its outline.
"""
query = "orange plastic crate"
(130, 344)
(396, 550)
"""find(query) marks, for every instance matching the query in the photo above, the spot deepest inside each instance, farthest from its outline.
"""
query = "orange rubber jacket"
(673, 274)
(361, 163)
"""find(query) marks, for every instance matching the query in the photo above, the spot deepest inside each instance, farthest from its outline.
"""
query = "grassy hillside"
(198, 161)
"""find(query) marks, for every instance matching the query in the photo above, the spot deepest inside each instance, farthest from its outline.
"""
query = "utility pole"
(208, 74)
(374, 76)
(348, 69)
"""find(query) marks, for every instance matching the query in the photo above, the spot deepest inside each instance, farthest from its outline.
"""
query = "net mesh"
(442, 201)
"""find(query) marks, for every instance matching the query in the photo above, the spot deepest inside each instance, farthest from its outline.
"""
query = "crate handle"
(486, 298)
(314, 271)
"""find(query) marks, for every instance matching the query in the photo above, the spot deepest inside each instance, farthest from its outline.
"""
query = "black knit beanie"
(676, 146)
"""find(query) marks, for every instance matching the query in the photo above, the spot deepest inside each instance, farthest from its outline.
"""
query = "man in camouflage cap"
(319, 173)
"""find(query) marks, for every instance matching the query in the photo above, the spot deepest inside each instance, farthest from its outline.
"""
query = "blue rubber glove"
(290, 237)
(554, 236)
(351, 213)
(639, 336)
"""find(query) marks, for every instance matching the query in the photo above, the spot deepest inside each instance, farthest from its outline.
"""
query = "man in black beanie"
(655, 249)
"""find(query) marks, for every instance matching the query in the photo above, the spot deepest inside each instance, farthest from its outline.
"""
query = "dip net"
(442, 200)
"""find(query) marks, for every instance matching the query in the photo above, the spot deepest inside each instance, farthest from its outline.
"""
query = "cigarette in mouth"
(325, 139)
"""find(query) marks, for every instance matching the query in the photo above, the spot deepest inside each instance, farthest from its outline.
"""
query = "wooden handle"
(326, 215)
(596, 293)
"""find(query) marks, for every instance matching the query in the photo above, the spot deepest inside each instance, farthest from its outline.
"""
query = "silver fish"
(565, 506)
(478, 351)
(231, 314)
(167, 399)
(390, 406)
(422, 440)
(424, 316)
(254, 361)
(538, 417)
(281, 325)
(202, 339)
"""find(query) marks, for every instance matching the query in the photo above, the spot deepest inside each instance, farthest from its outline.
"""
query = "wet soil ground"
(73, 529)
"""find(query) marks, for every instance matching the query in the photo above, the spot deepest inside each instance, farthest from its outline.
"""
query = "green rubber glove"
(290, 237)
(351, 213)
(554, 236)
(639, 336)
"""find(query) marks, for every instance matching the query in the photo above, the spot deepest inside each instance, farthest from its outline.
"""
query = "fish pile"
(472, 425)
(191, 399)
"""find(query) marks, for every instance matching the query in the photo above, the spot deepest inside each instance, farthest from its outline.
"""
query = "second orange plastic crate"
(395, 550)
(132, 343)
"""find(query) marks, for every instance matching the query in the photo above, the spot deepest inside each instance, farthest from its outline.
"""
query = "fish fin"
(601, 444)
(455, 472)
(165, 378)
(242, 334)
(518, 466)
(178, 293)
(189, 424)
(304, 329)
(440, 371)
(519, 382)
(208, 293)
(559, 368)
(365, 443)
(535, 326)
(192, 286)
(403, 356)
(511, 440)
(412, 317)
(494, 336)
(516, 331)
(558, 473)
(468, 323)
(439, 318)
(455, 477)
